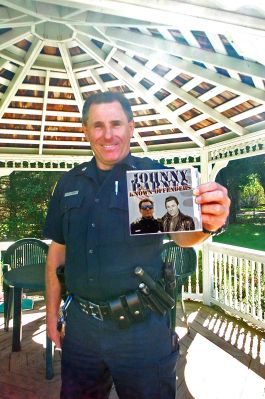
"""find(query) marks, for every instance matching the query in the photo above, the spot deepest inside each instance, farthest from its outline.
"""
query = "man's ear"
(131, 128)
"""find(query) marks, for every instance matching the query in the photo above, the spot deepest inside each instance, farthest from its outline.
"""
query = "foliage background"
(24, 200)
(24, 197)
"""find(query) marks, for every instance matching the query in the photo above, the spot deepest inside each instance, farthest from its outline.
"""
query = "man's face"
(109, 133)
(147, 210)
(172, 208)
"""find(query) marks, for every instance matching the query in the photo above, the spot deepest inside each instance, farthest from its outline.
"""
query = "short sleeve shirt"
(91, 220)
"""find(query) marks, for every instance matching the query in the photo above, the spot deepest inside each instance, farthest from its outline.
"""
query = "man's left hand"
(214, 203)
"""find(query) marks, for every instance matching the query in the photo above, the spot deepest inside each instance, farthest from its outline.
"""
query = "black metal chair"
(185, 261)
(24, 252)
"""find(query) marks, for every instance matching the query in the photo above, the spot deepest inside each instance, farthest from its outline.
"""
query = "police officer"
(87, 221)
(147, 223)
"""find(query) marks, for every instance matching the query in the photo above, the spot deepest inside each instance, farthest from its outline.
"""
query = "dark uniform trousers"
(139, 360)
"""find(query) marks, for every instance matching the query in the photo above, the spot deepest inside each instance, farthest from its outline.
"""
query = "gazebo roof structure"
(194, 74)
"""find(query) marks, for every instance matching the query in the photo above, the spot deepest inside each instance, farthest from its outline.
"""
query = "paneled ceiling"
(193, 73)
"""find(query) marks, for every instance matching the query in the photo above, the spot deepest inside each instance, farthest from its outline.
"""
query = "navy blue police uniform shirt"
(91, 219)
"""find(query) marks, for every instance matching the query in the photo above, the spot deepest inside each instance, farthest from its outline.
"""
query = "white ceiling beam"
(171, 11)
(13, 36)
(89, 18)
(158, 137)
(24, 111)
(63, 124)
(194, 70)
(248, 46)
(12, 57)
(167, 126)
(7, 14)
(3, 63)
(71, 75)
(187, 52)
(92, 33)
(57, 89)
(44, 109)
(140, 140)
(23, 121)
(32, 8)
(47, 142)
(95, 76)
(17, 80)
(129, 81)
(243, 115)
(183, 95)
(18, 23)
(64, 134)
(19, 132)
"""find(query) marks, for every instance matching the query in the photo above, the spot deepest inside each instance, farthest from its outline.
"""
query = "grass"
(247, 235)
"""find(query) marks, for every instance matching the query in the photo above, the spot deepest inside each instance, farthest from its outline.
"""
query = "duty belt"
(100, 312)
(132, 307)
(124, 310)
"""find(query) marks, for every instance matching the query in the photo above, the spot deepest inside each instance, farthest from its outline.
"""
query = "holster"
(154, 293)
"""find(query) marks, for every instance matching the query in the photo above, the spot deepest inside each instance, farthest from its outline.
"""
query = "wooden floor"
(221, 358)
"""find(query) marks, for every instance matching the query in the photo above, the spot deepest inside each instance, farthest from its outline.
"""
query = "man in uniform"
(147, 223)
(174, 219)
(110, 337)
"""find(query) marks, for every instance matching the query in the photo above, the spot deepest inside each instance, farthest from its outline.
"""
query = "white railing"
(193, 288)
(237, 281)
(233, 278)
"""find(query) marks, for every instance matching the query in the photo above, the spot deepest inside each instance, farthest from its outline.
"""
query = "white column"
(208, 174)
(216, 169)
(206, 267)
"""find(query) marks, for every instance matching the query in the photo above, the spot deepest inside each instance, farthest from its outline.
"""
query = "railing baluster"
(215, 276)
(235, 263)
(241, 284)
(224, 264)
(230, 280)
(253, 310)
(246, 284)
(259, 308)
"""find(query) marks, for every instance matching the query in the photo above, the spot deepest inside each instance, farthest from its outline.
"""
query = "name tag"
(71, 193)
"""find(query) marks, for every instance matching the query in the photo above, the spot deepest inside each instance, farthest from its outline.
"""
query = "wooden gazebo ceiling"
(194, 75)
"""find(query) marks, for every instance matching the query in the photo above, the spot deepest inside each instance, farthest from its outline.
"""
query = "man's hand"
(52, 331)
(214, 203)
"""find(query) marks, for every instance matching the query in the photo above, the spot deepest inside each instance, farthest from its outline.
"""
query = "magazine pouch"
(135, 306)
(119, 313)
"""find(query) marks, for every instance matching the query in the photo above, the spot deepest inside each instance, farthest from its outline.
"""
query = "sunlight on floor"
(222, 374)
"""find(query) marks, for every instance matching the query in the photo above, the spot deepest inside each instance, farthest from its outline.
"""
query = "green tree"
(27, 198)
(252, 193)
(234, 176)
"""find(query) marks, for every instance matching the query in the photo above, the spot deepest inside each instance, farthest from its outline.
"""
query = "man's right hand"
(55, 335)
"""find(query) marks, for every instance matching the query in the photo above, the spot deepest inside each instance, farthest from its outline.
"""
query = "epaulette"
(136, 221)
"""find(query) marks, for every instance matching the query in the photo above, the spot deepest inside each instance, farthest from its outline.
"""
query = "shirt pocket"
(72, 216)
(116, 221)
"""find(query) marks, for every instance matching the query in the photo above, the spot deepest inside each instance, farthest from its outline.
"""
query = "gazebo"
(194, 72)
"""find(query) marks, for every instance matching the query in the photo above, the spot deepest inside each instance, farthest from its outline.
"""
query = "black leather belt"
(100, 312)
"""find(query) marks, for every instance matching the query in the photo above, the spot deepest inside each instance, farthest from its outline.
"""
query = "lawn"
(247, 235)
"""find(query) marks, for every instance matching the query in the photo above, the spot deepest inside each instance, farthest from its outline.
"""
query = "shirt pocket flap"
(71, 202)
